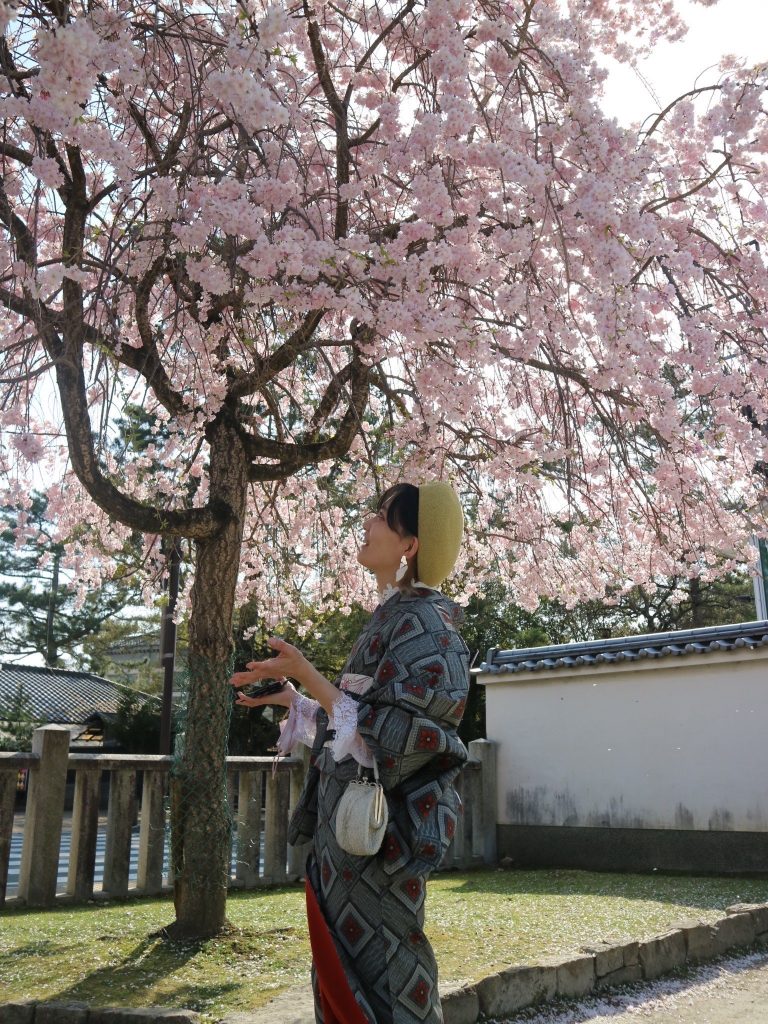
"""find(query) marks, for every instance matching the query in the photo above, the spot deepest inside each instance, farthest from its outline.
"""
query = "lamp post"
(170, 547)
(760, 580)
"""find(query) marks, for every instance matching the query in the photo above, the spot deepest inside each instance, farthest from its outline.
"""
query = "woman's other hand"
(282, 698)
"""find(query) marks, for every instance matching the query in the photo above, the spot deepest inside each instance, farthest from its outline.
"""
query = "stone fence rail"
(261, 798)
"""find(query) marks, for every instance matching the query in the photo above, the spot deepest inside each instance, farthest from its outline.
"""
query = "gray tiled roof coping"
(737, 636)
(62, 695)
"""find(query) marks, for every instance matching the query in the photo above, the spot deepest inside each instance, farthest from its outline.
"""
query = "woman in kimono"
(398, 701)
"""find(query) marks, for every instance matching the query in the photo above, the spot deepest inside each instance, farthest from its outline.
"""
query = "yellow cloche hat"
(441, 528)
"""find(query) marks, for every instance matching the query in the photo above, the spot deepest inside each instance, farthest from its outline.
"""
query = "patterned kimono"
(373, 907)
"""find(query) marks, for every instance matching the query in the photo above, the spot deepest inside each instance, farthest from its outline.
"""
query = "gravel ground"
(731, 991)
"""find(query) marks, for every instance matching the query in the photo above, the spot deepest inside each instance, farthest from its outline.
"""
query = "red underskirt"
(338, 1003)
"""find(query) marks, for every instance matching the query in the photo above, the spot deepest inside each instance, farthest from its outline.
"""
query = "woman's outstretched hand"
(288, 661)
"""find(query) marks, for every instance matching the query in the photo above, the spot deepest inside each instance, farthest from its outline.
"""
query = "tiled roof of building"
(57, 695)
(137, 642)
(737, 637)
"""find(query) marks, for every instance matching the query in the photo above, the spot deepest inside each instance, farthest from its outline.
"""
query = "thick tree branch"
(244, 384)
(339, 108)
(290, 458)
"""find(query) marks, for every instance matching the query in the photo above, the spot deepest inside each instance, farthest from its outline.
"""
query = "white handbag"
(361, 817)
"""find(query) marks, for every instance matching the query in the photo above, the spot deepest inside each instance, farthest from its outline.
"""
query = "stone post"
(121, 814)
(149, 879)
(484, 751)
(45, 811)
(457, 852)
(249, 827)
(297, 855)
(8, 778)
(276, 827)
(85, 829)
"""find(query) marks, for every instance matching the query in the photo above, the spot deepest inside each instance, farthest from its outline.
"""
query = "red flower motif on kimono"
(389, 762)
(416, 938)
(347, 875)
(370, 718)
(416, 689)
(428, 738)
(392, 848)
(428, 850)
(326, 872)
(419, 994)
(425, 805)
(386, 670)
(351, 930)
(406, 628)
(450, 827)
(373, 646)
(412, 888)
(444, 640)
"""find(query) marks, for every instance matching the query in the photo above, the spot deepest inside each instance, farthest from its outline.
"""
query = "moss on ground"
(479, 922)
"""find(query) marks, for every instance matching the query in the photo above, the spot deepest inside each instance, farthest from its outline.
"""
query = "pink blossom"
(564, 317)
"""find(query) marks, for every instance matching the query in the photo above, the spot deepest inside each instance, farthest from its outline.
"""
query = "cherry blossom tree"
(325, 243)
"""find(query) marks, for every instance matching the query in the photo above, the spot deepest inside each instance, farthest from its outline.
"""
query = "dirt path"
(733, 991)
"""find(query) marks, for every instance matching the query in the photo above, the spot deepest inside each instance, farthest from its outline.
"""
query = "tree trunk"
(200, 817)
(698, 608)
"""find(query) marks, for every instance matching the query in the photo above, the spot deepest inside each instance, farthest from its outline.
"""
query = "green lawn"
(479, 922)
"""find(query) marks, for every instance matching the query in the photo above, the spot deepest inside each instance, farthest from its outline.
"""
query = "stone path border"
(605, 966)
(595, 968)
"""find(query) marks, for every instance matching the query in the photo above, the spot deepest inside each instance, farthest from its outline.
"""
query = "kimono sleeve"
(410, 715)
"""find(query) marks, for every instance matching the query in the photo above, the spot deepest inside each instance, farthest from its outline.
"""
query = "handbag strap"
(361, 769)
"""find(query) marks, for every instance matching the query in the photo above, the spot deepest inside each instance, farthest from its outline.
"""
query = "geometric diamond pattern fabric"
(374, 906)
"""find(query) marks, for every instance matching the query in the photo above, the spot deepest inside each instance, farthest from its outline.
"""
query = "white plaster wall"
(672, 743)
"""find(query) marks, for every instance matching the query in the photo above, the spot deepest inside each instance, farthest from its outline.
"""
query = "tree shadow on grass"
(141, 978)
(29, 951)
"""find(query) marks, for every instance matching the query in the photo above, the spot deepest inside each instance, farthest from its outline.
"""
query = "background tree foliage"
(44, 610)
(17, 723)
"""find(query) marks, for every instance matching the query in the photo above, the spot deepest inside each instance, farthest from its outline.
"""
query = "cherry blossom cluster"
(242, 214)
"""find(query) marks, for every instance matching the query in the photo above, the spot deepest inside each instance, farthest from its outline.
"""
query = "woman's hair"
(403, 509)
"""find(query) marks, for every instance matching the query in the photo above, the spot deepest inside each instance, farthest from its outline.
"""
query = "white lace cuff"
(300, 726)
(348, 740)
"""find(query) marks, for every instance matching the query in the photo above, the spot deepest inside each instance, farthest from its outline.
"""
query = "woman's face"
(382, 548)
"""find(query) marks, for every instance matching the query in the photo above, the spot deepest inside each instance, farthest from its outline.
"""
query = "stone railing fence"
(260, 799)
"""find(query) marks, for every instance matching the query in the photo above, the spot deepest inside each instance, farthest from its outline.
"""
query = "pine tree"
(39, 609)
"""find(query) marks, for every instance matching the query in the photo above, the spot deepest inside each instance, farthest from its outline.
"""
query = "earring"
(402, 571)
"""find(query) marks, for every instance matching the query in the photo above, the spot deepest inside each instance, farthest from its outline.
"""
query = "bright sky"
(738, 27)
